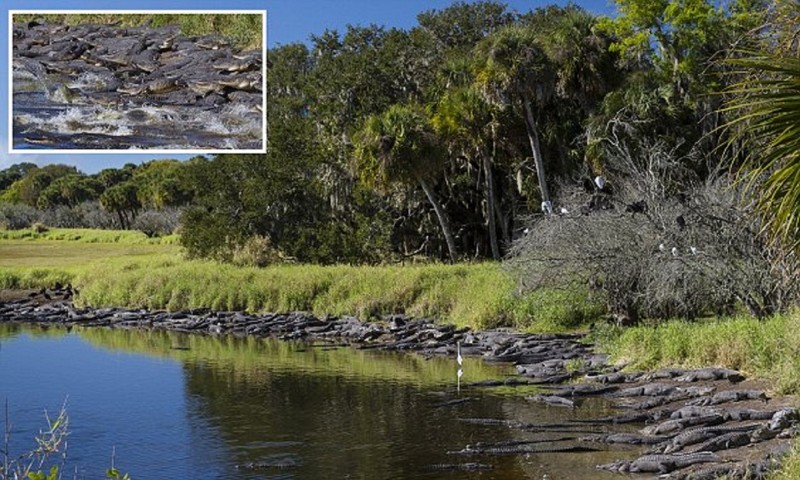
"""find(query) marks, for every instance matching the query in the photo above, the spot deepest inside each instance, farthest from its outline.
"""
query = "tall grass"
(479, 295)
(127, 269)
(767, 349)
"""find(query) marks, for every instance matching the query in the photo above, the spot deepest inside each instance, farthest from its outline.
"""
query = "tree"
(469, 123)
(69, 190)
(400, 146)
(767, 126)
(513, 69)
(123, 200)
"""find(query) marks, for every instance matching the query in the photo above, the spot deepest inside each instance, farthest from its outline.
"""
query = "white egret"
(459, 358)
(564, 211)
(674, 251)
(694, 250)
(662, 248)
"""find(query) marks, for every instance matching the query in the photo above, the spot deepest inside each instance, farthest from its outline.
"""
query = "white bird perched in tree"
(674, 251)
(600, 181)
(564, 211)
(459, 358)
(693, 250)
(661, 247)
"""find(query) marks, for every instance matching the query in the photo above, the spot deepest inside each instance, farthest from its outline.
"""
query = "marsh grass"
(767, 348)
(477, 295)
(243, 29)
(127, 269)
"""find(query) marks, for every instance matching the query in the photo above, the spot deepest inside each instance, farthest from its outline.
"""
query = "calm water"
(198, 410)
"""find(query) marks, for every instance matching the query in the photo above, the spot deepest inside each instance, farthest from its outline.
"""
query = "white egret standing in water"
(460, 361)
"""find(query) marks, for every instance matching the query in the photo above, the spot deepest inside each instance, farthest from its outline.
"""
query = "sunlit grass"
(123, 269)
(768, 349)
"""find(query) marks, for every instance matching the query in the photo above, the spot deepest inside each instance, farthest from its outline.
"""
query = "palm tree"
(400, 146)
(766, 105)
(469, 123)
(512, 69)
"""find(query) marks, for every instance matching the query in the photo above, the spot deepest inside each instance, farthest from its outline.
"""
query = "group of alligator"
(680, 424)
(109, 67)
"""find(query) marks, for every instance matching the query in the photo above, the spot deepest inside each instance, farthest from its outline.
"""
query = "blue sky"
(288, 21)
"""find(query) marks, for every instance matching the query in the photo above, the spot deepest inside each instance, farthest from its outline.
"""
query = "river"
(176, 406)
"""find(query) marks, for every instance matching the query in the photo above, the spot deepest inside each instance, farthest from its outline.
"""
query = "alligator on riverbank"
(660, 463)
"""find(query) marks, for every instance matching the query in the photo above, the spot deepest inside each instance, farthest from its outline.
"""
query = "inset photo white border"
(159, 151)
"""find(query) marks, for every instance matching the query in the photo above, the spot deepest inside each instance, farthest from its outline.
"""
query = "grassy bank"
(768, 349)
(123, 269)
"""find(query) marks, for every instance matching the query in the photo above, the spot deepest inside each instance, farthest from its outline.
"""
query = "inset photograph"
(172, 82)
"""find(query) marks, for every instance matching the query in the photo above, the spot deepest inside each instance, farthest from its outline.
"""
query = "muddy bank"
(702, 423)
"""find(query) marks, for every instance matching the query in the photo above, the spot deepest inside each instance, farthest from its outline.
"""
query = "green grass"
(768, 349)
(125, 269)
(88, 235)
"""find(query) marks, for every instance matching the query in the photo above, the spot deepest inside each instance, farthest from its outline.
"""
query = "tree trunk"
(488, 178)
(442, 217)
(533, 138)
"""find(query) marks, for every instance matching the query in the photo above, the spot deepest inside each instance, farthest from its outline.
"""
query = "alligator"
(725, 442)
(457, 401)
(551, 400)
(673, 426)
(460, 467)
(624, 418)
(583, 389)
(264, 464)
(701, 434)
(660, 463)
(648, 390)
(629, 438)
(522, 450)
(489, 421)
(746, 414)
(694, 411)
(709, 374)
(727, 396)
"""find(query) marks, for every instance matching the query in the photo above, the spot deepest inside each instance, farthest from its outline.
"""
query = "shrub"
(156, 223)
(663, 244)
(93, 215)
(62, 216)
(255, 252)
(39, 227)
(15, 216)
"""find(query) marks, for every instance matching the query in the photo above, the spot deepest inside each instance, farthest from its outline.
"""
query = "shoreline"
(671, 405)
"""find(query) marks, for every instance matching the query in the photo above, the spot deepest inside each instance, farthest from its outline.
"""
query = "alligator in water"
(460, 467)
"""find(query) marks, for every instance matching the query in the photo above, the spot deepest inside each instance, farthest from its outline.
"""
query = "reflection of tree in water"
(362, 427)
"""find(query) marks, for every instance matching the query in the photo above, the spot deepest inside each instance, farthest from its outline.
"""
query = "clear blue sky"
(288, 21)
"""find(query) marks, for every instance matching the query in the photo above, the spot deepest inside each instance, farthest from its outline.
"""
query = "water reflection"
(299, 411)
